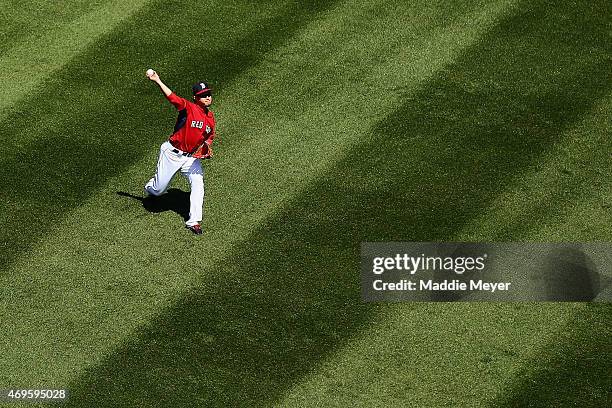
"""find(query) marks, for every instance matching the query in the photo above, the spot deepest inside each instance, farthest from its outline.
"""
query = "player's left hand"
(203, 152)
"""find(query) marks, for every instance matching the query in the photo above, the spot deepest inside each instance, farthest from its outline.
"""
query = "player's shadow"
(174, 200)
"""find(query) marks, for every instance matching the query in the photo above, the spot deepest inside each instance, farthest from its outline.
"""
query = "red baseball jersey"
(193, 127)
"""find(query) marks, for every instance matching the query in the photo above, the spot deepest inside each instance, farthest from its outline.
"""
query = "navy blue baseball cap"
(200, 88)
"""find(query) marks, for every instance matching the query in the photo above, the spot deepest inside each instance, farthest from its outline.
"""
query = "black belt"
(182, 153)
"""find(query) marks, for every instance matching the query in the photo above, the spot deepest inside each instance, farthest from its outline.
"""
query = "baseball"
(150, 72)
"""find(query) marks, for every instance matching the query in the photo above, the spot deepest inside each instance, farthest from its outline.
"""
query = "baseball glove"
(203, 152)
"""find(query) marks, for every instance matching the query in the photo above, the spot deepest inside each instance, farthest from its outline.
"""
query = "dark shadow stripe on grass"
(99, 114)
(289, 297)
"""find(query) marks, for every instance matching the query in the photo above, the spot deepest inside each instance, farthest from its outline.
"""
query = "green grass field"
(340, 122)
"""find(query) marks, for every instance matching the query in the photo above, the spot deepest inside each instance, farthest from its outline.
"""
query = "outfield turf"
(340, 122)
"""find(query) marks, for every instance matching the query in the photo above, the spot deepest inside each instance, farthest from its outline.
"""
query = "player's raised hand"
(152, 75)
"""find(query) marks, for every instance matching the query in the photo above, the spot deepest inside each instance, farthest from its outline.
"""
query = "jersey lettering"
(197, 124)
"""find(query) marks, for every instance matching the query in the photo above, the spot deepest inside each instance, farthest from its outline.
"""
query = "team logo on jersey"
(208, 129)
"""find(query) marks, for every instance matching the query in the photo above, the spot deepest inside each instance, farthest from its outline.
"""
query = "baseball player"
(193, 135)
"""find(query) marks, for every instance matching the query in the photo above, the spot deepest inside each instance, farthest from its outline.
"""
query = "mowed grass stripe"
(121, 269)
(431, 355)
(28, 66)
(101, 115)
(569, 188)
(32, 19)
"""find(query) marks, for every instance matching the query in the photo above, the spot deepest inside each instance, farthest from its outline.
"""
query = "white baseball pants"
(168, 164)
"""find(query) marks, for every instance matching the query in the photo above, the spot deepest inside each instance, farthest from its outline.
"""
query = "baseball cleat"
(196, 229)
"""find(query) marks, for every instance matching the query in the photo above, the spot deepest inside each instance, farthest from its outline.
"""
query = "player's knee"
(151, 191)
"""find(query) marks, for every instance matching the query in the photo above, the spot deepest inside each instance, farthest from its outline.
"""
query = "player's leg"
(192, 169)
(167, 166)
